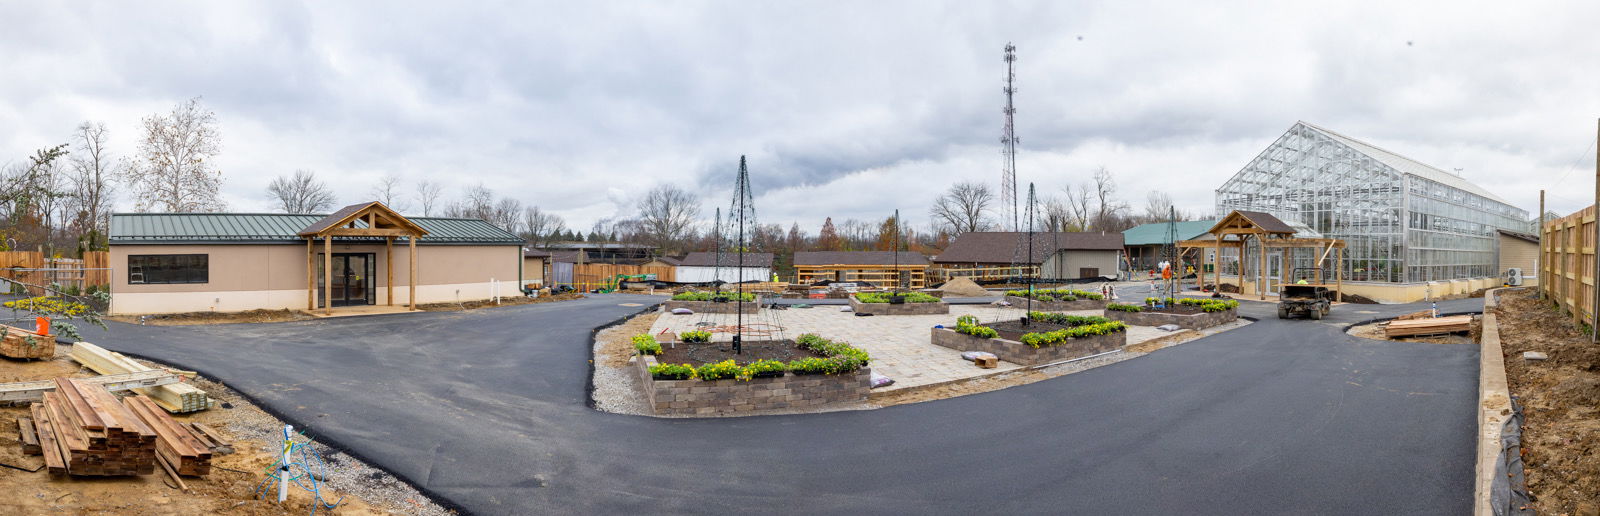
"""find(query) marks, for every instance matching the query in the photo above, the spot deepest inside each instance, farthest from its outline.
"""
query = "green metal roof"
(279, 228)
(1156, 233)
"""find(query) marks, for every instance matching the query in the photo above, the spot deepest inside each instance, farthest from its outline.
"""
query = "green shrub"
(1066, 320)
(1057, 294)
(1124, 308)
(719, 371)
(832, 349)
(672, 371)
(968, 324)
(695, 336)
(883, 297)
(714, 296)
(646, 344)
(1052, 338)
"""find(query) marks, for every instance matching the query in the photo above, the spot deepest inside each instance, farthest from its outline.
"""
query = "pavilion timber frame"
(371, 219)
(1269, 233)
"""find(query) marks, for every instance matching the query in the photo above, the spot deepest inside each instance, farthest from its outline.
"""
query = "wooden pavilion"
(1238, 228)
(364, 221)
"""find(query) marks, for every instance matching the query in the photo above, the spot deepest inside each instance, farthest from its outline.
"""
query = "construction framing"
(371, 220)
(1238, 230)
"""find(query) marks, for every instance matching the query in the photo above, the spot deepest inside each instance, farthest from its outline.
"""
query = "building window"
(168, 268)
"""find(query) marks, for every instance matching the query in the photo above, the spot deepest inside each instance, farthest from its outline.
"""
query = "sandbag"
(1168, 327)
(879, 380)
(974, 355)
(682, 311)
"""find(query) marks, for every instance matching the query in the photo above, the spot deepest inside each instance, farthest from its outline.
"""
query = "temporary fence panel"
(590, 276)
(560, 273)
(687, 274)
(1567, 261)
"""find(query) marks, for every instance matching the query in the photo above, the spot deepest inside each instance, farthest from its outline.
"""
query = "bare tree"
(666, 216)
(1110, 213)
(1158, 207)
(302, 193)
(1078, 207)
(387, 191)
(92, 171)
(1056, 215)
(858, 235)
(962, 208)
(428, 196)
(174, 171)
(540, 227)
(507, 214)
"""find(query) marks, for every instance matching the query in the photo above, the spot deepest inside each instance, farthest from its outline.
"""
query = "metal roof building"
(1404, 221)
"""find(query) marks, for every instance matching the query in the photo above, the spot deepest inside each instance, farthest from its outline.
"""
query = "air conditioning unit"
(1514, 276)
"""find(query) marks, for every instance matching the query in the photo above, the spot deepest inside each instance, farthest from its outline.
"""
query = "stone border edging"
(1197, 321)
(710, 307)
(1494, 405)
(1025, 355)
(939, 308)
(1056, 306)
(729, 397)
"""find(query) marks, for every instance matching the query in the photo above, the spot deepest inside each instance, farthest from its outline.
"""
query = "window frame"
(174, 270)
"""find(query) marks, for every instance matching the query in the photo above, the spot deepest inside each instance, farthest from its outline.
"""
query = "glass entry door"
(352, 279)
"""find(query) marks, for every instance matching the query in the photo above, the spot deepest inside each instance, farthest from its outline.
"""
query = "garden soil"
(1560, 399)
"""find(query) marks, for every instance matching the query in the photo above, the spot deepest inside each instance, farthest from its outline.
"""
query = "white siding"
(687, 274)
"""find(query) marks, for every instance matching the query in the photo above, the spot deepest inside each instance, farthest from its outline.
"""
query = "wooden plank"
(174, 397)
(34, 390)
(412, 243)
(48, 444)
(87, 415)
(27, 436)
(212, 433)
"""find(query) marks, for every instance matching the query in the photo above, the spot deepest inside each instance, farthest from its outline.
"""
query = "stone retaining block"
(900, 309)
(1057, 306)
(700, 397)
(1019, 353)
(1188, 322)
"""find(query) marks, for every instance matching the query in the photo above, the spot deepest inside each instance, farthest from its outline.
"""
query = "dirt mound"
(1358, 299)
(1560, 397)
(963, 287)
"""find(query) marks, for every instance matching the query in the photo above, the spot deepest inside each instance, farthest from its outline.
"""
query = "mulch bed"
(1561, 401)
(708, 353)
(1014, 330)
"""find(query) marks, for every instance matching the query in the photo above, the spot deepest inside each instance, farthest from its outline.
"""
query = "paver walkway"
(900, 345)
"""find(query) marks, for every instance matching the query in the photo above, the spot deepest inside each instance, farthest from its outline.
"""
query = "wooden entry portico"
(365, 221)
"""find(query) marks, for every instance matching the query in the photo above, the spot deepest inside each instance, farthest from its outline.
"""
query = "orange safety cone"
(42, 324)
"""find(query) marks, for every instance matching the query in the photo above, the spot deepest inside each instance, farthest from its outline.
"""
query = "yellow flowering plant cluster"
(59, 307)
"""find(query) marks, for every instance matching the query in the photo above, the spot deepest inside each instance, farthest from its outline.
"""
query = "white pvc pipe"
(283, 468)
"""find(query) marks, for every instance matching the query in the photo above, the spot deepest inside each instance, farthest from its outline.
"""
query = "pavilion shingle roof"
(857, 258)
(1002, 246)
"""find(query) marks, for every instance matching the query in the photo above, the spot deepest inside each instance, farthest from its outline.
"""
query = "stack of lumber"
(1425, 314)
(177, 447)
(34, 390)
(83, 430)
(1432, 326)
(15, 343)
(176, 397)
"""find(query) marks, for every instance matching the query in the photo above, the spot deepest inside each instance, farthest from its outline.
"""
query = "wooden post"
(311, 273)
(1338, 275)
(388, 266)
(1261, 286)
(413, 244)
(327, 274)
(1594, 246)
(1539, 268)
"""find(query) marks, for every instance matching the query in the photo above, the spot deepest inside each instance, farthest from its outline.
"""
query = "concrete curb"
(1494, 405)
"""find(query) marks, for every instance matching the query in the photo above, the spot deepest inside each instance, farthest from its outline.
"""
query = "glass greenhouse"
(1403, 221)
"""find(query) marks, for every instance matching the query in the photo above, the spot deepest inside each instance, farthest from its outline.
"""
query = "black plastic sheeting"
(1508, 493)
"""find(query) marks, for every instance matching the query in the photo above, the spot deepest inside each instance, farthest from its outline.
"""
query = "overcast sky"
(846, 109)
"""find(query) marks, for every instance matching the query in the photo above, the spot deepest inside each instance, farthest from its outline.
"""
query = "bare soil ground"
(1561, 401)
(227, 490)
(504, 301)
(1375, 332)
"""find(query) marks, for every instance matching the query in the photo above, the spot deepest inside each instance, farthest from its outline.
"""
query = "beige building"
(225, 262)
(535, 263)
(1519, 251)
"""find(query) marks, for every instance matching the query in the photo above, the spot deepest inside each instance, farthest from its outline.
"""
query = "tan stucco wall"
(1106, 261)
(532, 270)
(248, 277)
(1516, 252)
(1392, 292)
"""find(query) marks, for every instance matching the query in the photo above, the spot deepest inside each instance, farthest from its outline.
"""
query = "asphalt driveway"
(486, 409)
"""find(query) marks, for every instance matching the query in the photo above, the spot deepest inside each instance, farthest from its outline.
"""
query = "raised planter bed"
(1018, 353)
(1190, 321)
(899, 309)
(699, 397)
(15, 344)
(716, 307)
(1057, 306)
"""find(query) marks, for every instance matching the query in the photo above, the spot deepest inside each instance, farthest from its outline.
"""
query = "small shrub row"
(695, 336)
(840, 358)
(883, 297)
(1066, 320)
(714, 296)
(968, 324)
(1207, 305)
(1052, 338)
(646, 344)
(1124, 308)
(1056, 294)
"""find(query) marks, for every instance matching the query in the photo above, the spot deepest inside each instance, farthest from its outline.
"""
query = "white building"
(705, 267)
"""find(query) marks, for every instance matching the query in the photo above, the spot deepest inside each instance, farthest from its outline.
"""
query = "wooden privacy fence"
(1566, 263)
(591, 276)
(33, 268)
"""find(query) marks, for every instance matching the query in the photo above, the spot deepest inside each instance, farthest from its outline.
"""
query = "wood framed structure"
(880, 268)
(372, 219)
(1241, 228)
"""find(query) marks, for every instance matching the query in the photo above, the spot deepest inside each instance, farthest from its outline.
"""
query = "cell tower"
(1008, 170)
